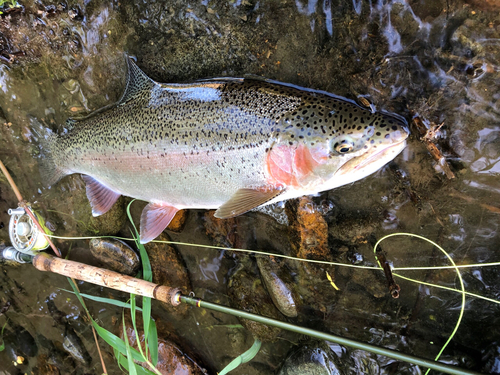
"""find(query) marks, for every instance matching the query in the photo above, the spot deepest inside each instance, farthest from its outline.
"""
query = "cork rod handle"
(103, 277)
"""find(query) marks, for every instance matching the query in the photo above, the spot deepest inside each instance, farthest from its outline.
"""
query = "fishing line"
(322, 261)
(462, 309)
(259, 252)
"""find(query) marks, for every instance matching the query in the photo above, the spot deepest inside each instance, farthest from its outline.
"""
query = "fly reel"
(24, 234)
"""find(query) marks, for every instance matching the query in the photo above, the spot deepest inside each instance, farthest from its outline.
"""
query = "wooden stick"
(24, 205)
(11, 182)
(103, 277)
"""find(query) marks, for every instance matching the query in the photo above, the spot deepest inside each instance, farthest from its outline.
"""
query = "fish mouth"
(372, 161)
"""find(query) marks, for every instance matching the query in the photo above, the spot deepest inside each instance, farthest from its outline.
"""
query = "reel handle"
(107, 278)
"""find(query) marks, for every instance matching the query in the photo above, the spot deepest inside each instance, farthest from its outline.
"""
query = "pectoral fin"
(100, 197)
(154, 219)
(247, 199)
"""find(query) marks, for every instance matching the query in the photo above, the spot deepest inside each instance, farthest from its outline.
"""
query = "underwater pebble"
(71, 207)
(116, 255)
(311, 359)
(247, 293)
(279, 290)
(309, 230)
(46, 368)
(169, 269)
(171, 359)
(74, 346)
(177, 223)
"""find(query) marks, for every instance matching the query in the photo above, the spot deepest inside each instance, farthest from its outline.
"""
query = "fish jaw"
(364, 165)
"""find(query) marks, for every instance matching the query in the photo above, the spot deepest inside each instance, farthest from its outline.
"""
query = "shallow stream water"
(430, 60)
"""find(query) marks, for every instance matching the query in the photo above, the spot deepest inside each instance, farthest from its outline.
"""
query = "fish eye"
(344, 147)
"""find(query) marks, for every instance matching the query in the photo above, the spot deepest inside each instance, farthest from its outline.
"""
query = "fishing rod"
(173, 296)
(28, 236)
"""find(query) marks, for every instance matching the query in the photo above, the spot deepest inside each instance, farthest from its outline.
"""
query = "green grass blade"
(77, 294)
(104, 300)
(123, 363)
(153, 342)
(2, 345)
(146, 265)
(245, 357)
(115, 342)
(146, 315)
(131, 368)
(117, 355)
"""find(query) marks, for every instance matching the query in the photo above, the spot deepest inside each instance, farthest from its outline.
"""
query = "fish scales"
(235, 143)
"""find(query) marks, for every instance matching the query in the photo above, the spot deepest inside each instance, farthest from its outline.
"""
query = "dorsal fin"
(137, 82)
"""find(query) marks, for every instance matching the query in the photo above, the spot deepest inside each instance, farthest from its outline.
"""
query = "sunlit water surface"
(425, 58)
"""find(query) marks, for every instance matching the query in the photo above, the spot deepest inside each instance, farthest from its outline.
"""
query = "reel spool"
(24, 234)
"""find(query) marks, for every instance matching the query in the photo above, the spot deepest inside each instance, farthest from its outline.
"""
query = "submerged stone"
(74, 346)
(172, 360)
(248, 294)
(116, 255)
(177, 223)
(309, 230)
(73, 210)
(280, 290)
(169, 269)
(311, 359)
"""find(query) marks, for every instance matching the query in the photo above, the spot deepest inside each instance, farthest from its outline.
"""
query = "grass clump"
(127, 356)
(8, 4)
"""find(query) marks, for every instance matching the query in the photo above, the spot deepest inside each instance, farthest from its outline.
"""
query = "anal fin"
(154, 219)
(100, 197)
(247, 199)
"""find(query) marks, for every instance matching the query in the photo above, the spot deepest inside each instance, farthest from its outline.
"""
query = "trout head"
(331, 148)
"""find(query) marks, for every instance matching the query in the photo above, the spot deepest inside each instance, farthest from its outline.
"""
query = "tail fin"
(50, 171)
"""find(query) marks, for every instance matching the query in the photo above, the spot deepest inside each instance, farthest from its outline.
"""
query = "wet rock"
(46, 368)
(354, 229)
(222, 231)
(172, 360)
(247, 293)
(73, 345)
(374, 283)
(116, 255)
(177, 223)
(73, 209)
(312, 359)
(491, 358)
(274, 275)
(169, 269)
(365, 362)
(20, 339)
(309, 230)
(276, 211)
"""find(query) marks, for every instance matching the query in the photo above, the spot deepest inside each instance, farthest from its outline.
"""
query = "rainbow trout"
(231, 144)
